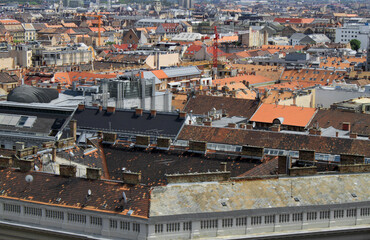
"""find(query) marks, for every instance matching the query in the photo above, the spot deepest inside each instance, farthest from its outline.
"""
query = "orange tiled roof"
(95, 29)
(252, 79)
(69, 25)
(294, 20)
(9, 21)
(292, 115)
(313, 75)
(160, 74)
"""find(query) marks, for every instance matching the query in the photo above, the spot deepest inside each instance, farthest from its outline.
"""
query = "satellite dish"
(29, 178)
(89, 192)
(36, 168)
(124, 198)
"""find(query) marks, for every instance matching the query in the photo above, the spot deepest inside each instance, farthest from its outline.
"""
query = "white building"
(354, 31)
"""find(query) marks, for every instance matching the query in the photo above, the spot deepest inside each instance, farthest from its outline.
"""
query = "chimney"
(25, 165)
(153, 113)
(54, 154)
(182, 115)
(249, 126)
(100, 134)
(207, 123)
(346, 126)
(67, 170)
(163, 142)
(139, 112)
(59, 88)
(337, 134)
(353, 135)
(131, 177)
(73, 128)
(283, 164)
(223, 166)
(111, 110)
(100, 108)
(81, 107)
(318, 132)
(231, 125)
(276, 128)
(5, 162)
(242, 125)
(312, 131)
(93, 173)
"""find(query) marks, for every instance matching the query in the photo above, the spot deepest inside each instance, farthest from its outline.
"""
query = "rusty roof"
(202, 104)
(47, 188)
(275, 140)
(360, 122)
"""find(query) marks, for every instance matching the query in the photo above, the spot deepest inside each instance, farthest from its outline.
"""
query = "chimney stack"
(353, 135)
(25, 165)
(111, 110)
(73, 128)
(207, 123)
(276, 128)
(93, 173)
(139, 112)
(153, 113)
(131, 177)
(223, 166)
(54, 154)
(100, 108)
(231, 125)
(81, 107)
(182, 115)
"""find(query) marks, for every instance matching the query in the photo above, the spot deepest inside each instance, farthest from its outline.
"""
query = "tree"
(355, 44)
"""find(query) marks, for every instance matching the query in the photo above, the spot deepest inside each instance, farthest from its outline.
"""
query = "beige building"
(29, 32)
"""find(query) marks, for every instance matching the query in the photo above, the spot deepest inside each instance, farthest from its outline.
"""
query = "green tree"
(355, 44)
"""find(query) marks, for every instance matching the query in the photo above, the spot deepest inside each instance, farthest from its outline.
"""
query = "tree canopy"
(355, 44)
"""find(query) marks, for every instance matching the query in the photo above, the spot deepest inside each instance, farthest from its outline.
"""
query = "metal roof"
(181, 71)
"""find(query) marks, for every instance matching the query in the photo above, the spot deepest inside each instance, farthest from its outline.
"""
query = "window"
(269, 219)
(33, 211)
(96, 221)
(297, 217)
(242, 221)
(186, 226)
(325, 214)
(283, 218)
(227, 222)
(12, 208)
(351, 213)
(158, 228)
(173, 227)
(256, 220)
(59, 215)
(338, 213)
(311, 216)
(126, 225)
(365, 212)
(78, 218)
(205, 224)
(136, 227)
(112, 223)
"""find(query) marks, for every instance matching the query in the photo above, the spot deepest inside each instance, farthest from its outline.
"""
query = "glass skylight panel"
(30, 121)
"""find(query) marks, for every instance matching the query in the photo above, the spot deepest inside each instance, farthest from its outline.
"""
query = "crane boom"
(215, 49)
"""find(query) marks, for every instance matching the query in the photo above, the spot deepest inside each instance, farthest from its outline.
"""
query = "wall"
(7, 63)
(300, 101)
(165, 60)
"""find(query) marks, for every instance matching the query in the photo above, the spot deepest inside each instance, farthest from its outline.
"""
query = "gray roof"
(206, 197)
(29, 94)
(182, 71)
(297, 36)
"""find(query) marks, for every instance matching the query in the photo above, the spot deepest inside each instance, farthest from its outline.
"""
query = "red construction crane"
(215, 49)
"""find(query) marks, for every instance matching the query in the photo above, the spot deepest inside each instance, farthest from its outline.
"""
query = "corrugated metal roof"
(258, 194)
(182, 71)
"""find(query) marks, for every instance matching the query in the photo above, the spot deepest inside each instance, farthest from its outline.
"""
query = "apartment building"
(353, 31)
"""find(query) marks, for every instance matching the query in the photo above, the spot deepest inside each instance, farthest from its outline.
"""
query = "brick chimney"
(139, 112)
(153, 113)
(54, 154)
(5, 162)
(207, 123)
(283, 164)
(81, 107)
(242, 125)
(231, 125)
(100, 108)
(73, 128)
(111, 110)
(275, 128)
(353, 135)
(249, 126)
(182, 115)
